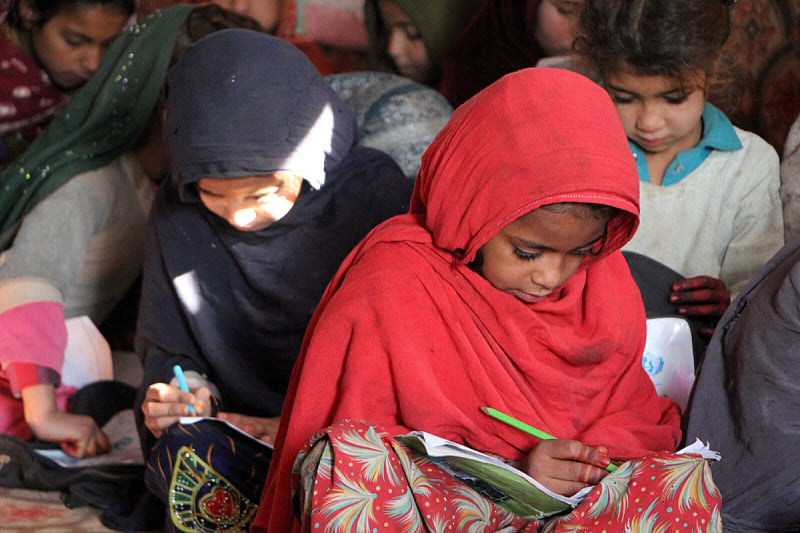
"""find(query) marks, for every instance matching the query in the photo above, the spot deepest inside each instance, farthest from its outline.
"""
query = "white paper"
(193, 419)
(702, 449)
(88, 356)
(669, 358)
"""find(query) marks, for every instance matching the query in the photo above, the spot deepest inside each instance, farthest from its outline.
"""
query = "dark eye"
(675, 100)
(567, 10)
(585, 252)
(597, 246)
(621, 99)
(526, 256)
(413, 34)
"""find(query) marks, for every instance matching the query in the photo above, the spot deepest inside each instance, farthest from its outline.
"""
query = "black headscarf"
(230, 304)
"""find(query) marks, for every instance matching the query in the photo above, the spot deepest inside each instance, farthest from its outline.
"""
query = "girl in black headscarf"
(268, 195)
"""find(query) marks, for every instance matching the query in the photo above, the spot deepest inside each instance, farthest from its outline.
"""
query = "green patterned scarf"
(104, 119)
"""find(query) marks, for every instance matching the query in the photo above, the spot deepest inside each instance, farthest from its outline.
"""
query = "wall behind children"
(765, 40)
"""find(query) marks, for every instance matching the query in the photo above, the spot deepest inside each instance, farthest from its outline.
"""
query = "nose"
(396, 47)
(239, 213)
(242, 218)
(240, 6)
(91, 59)
(649, 117)
(550, 271)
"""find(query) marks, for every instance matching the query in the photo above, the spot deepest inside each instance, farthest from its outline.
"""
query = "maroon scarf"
(496, 42)
(28, 100)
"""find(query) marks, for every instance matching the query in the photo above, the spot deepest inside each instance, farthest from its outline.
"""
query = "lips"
(69, 80)
(653, 143)
(527, 297)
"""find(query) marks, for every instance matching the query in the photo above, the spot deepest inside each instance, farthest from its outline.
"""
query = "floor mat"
(41, 511)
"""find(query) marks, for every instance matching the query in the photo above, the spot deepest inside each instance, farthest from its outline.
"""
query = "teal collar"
(718, 134)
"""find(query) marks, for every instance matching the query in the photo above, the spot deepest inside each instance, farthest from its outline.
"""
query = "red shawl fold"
(409, 337)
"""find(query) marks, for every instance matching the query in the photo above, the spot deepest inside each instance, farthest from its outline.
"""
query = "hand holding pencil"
(165, 403)
(182, 384)
(564, 466)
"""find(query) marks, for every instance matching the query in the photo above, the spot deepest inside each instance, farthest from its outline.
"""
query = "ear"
(28, 14)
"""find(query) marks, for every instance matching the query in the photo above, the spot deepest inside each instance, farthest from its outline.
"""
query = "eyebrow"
(260, 191)
(77, 34)
(203, 190)
(531, 244)
(86, 39)
(403, 24)
(678, 90)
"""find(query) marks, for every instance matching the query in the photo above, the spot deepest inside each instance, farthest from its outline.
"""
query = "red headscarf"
(409, 337)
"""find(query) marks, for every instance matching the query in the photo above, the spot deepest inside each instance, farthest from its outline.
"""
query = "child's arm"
(79, 435)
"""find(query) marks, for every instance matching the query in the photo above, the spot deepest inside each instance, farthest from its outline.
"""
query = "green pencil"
(522, 426)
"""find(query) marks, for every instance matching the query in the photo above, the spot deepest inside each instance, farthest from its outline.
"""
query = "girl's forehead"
(687, 77)
(645, 82)
(244, 184)
(565, 227)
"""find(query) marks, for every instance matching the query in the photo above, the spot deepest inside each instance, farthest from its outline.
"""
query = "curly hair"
(680, 39)
(206, 19)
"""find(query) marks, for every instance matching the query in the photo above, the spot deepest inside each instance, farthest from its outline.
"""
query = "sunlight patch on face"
(188, 288)
(279, 207)
(244, 217)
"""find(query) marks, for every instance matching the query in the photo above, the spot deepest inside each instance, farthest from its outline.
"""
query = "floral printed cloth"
(356, 477)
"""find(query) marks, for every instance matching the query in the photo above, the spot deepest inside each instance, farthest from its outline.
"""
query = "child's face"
(555, 25)
(250, 203)
(657, 112)
(534, 255)
(71, 44)
(404, 43)
(266, 12)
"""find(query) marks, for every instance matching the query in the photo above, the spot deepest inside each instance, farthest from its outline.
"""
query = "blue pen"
(182, 383)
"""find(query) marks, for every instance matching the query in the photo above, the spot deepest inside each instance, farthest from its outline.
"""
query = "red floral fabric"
(356, 477)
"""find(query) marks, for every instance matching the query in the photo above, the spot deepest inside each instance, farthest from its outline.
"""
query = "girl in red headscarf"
(504, 287)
